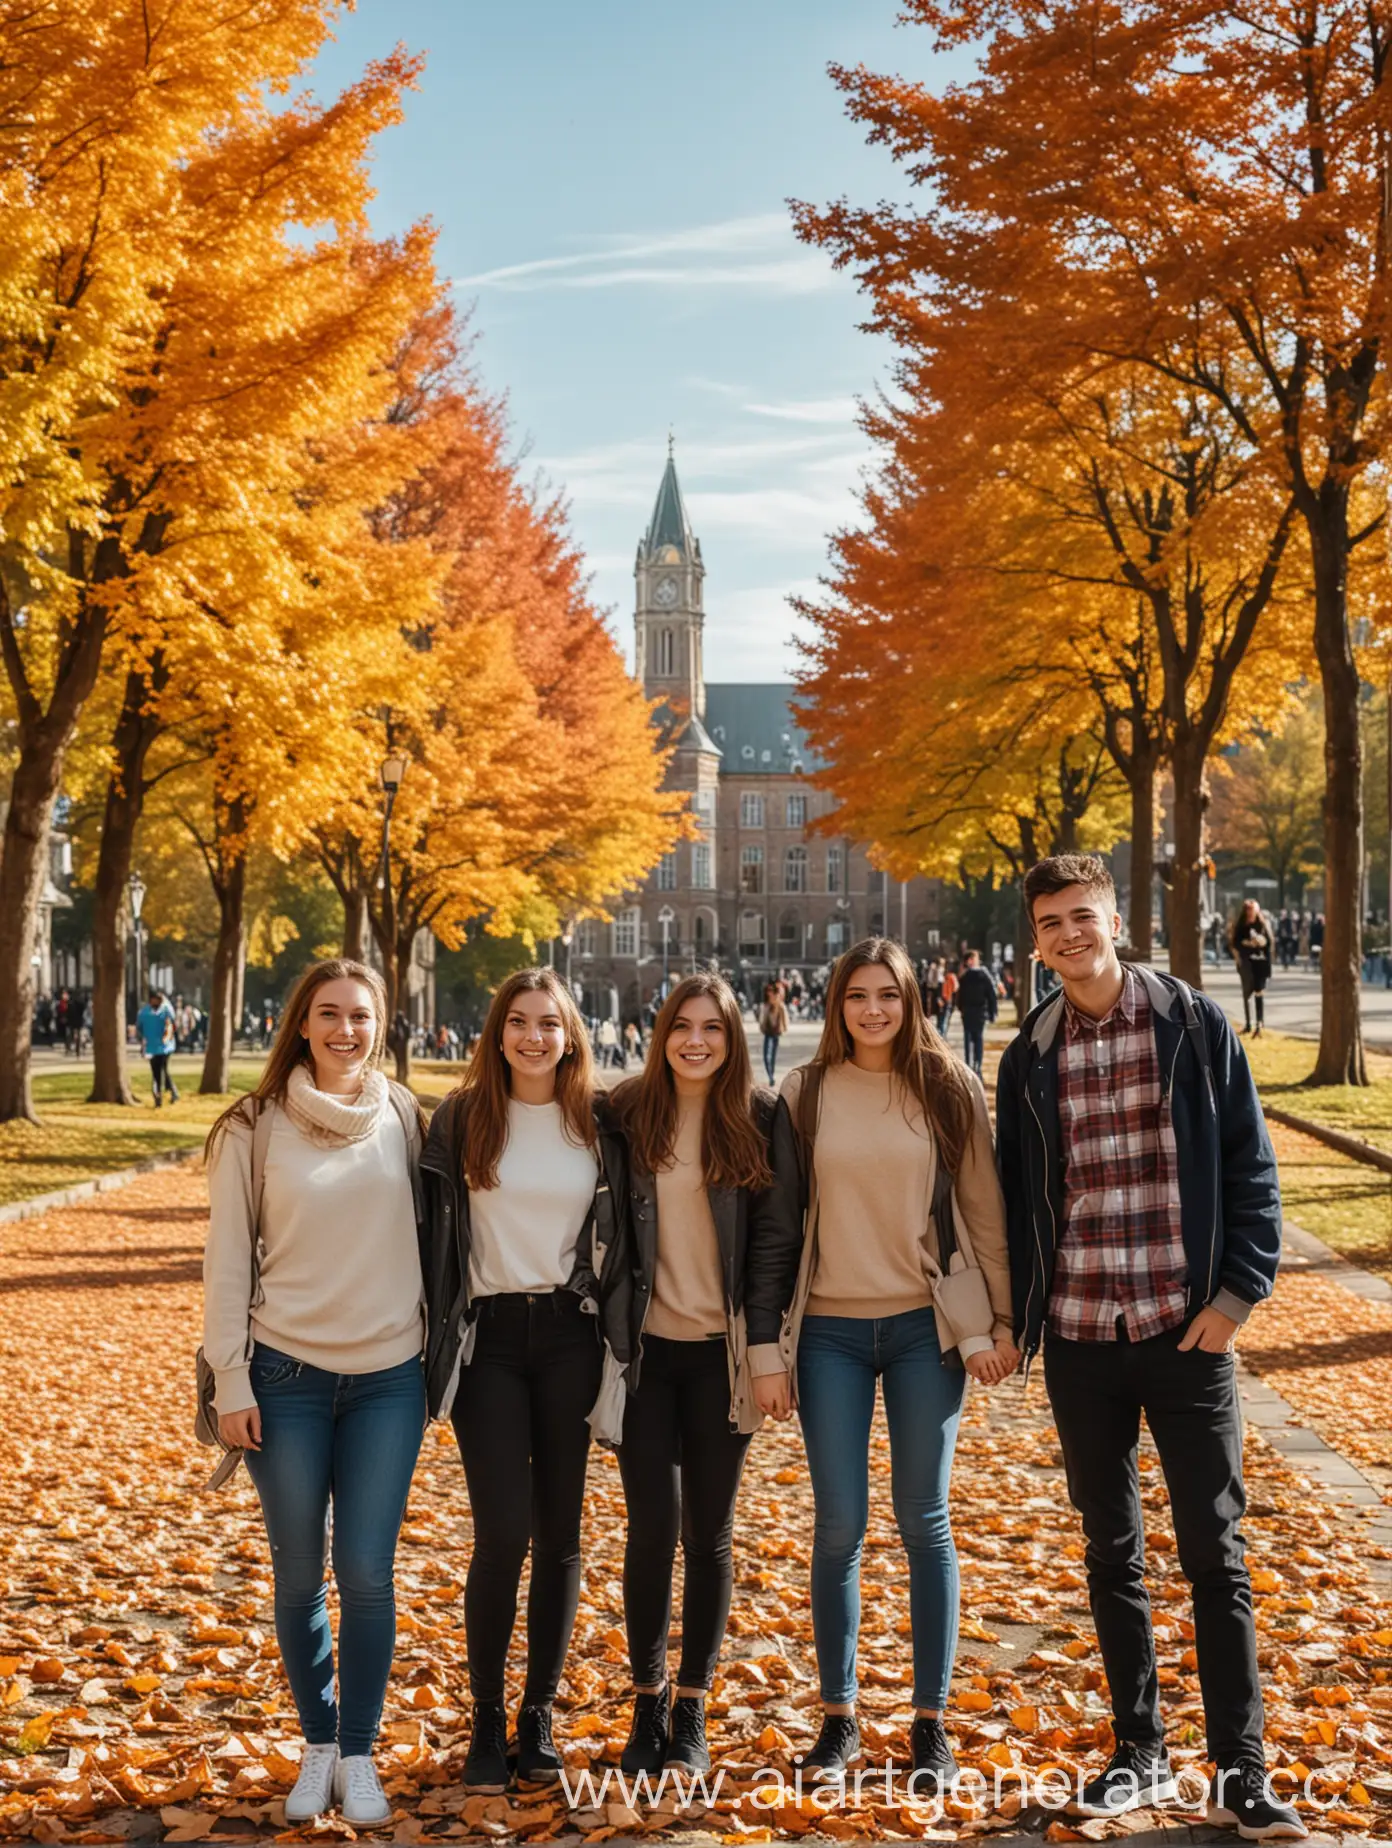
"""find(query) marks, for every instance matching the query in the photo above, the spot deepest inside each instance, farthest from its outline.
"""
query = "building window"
(587, 937)
(797, 811)
(667, 653)
(626, 932)
(701, 866)
(836, 869)
(789, 937)
(751, 934)
(667, 873)
(703, 802)
(838, 936)
(751, 809)
(795, 869)
(751, 869)
(701, 934)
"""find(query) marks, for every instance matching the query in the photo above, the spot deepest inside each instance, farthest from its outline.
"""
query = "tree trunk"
(228, 870)
(1340, 1059)
(125, 796)
(355, 924)
(1139, 929)
(402, 984)
(1186, 881)
(23, 870)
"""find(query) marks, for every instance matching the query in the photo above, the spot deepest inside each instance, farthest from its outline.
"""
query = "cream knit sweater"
(340, 1284)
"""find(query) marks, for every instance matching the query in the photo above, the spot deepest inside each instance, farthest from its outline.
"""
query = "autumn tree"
(1267, 801)
(118, 119)
(1171, 183)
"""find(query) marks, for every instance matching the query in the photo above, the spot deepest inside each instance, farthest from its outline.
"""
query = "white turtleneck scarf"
(340, 1269)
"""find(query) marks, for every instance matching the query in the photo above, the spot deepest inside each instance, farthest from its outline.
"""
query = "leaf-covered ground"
(140, 1692)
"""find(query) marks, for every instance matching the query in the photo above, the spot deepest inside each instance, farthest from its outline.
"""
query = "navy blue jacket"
(1230, 1199)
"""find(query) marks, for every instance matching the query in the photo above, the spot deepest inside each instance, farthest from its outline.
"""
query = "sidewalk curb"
(1352, 1146)
(99, 1184)
(1339, 1269)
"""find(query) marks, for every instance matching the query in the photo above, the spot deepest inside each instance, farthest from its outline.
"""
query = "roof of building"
(669, 524)
(756, 731)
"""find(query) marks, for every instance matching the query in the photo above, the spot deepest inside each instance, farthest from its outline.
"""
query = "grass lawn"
(77, 1141)
(1280, 1065)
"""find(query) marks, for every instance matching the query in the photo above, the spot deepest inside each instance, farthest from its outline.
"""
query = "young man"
(155, 1023)
(1135, 1271)
(976, 1003)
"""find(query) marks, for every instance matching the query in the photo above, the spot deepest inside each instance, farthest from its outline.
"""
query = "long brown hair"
(918, 1054)
(488, 1086)
(732, 1150)
(290, 1048)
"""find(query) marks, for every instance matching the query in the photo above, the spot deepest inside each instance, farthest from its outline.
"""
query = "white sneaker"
(358, 1789)
(313, 1792)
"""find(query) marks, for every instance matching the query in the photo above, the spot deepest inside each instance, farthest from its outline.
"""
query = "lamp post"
(567, 938)
(665, 917)
(392, 772)
(135, 886)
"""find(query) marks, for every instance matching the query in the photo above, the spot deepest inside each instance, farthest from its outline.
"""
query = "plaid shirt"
(1121, 1252)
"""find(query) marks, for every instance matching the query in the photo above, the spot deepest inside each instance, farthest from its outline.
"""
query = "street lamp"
(567, 938)
(665, 917)
(392, 772)
(135, 885)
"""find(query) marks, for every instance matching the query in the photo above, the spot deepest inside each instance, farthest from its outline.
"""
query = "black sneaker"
(837, 1747)
(1243, 1800)
(931, 1751)
(686, 1749)
(486, 1767)
(538, 1761)
(1136, 1777)
(647, 1737)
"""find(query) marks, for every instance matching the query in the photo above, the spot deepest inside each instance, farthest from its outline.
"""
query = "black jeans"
(681, 1462)
(519, 1417)
(974, 1040)
(1098, 1390)
(159, 1076)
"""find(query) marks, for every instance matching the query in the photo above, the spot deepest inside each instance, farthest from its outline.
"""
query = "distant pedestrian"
(976, 1003)
(947, 998)
(633, 1046)
(773, 1024)
(155, 1024)
(1249, 940)
(1316, 939)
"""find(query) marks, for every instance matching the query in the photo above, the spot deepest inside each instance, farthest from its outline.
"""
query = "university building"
(755, 891)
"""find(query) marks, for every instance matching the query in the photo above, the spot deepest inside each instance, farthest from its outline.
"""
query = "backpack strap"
(1193, 1026)
(260, 1143)
(408, 1115)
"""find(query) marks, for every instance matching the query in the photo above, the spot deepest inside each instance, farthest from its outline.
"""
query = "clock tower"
(668, 617)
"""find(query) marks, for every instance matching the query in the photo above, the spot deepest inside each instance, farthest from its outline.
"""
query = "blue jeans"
(974, 1040)
(349, 1438)
(770, 1054)
(839, 1358)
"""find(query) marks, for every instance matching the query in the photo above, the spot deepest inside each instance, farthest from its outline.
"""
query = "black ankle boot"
(647, 1738)
(687, 1749)
(486, 1767)
(538, 1761)
(837, 1747)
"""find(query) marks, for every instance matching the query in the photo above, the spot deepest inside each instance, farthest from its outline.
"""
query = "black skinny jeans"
(1098, 1390)
(519, 1417)
(681, 1462)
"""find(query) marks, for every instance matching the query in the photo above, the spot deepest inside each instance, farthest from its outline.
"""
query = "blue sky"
(608, 179)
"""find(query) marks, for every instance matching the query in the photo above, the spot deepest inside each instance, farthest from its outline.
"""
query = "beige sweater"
(875, 1163)
(340, 1271)
(688, 1299)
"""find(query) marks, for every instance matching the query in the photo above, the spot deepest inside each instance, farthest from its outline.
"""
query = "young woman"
(1249, 941)
(891, 1141)
(313, 1326)
(520, 1249)
(710, 1268)
(773, 1024)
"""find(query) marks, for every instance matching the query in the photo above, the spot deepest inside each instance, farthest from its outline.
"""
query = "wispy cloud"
(754, 252)
(810, 410)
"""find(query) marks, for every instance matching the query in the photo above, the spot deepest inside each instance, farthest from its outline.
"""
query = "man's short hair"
(1069, 869)
(156, 996)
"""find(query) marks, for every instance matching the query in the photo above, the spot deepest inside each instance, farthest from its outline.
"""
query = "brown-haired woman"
(520, 1253)
(889, 1136)
(712, 1266)
(312, 1324)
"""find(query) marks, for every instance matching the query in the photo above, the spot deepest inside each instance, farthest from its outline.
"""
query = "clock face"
(665, 594)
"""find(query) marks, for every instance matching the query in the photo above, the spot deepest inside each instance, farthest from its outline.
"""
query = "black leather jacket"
(596, 1278)
(759, 1234)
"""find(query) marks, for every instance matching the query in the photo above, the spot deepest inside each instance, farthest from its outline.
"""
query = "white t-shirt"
(525, 1230)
